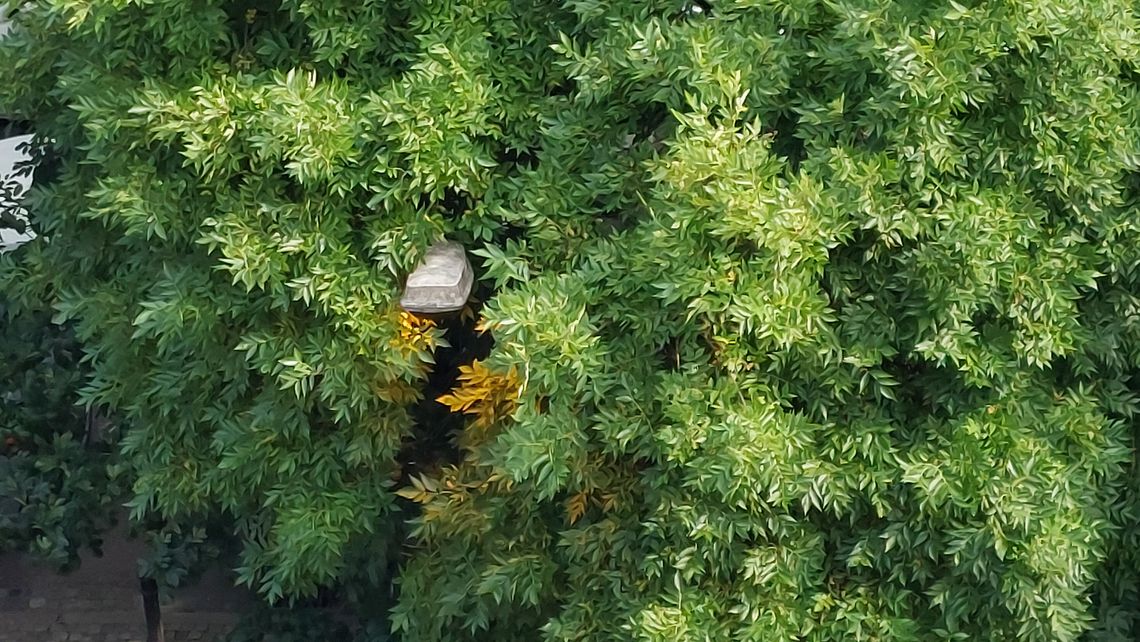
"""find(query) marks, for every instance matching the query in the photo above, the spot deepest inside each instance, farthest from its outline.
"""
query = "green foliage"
(301, 624)
(824, 315)
(288, 625)
(58, 492)
(175, 555)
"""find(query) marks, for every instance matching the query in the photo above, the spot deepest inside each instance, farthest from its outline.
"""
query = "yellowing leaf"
(576, 506)
(483, 394)
(413, 333)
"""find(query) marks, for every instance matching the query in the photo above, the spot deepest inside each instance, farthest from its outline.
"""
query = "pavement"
(100, 601)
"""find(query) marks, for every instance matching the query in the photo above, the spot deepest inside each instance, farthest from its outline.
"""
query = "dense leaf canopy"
(60, 482)
(813, 319)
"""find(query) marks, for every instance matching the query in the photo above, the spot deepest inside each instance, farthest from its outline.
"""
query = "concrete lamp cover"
(441, 283)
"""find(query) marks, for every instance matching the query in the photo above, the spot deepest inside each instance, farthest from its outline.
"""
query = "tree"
(59, 487)
(811, 320)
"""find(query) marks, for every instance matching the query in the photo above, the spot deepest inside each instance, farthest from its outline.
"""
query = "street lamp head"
(441, 283)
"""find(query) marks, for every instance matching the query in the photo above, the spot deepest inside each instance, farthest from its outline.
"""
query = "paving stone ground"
(100, 602)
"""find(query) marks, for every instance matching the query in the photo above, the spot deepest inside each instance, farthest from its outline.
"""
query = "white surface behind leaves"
(10, 155)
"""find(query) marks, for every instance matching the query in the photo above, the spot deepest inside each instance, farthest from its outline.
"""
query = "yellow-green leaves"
(801, 319)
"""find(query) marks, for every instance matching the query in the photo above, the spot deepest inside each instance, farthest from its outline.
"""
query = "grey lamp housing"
(441, 283)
